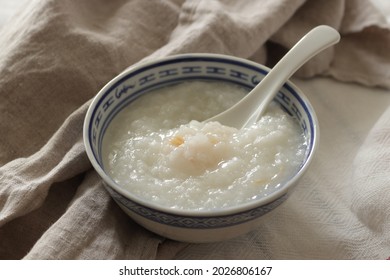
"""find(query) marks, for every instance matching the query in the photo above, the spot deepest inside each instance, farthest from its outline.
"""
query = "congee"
(159, 150)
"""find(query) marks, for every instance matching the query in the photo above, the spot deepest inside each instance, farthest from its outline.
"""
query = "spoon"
(249, 109)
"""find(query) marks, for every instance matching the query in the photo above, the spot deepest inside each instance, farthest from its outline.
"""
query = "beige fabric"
(55, 56)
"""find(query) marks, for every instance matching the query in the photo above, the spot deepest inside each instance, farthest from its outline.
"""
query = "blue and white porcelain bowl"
(186, 225)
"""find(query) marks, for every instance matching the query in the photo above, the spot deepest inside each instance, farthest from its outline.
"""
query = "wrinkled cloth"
(56, 55)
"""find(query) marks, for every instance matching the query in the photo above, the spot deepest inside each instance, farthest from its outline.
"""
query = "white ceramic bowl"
(187, 225)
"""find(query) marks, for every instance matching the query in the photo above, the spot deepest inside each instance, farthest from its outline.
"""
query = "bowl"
(192, 225)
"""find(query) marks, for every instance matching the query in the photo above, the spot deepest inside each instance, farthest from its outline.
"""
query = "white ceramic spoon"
(248, 110)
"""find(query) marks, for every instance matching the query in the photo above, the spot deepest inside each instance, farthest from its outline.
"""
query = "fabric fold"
(25, 181)
(99, 230)
(56, 55)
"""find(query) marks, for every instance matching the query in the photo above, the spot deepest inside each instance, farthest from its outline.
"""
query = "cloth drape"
(56, 55)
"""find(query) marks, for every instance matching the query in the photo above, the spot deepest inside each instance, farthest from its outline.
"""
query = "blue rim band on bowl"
(200, 222)
(137, 80)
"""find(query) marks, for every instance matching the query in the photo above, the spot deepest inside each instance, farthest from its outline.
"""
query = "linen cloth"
(55, 56)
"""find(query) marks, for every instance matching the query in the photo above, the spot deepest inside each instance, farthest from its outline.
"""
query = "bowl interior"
(139, 80)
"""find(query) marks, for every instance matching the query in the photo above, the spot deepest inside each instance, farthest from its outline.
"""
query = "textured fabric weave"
(56, 55)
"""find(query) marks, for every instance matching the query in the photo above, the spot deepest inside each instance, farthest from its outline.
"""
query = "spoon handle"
(251, 107)
(311, 44)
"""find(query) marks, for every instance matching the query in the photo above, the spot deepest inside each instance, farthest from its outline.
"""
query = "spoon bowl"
(249, 109)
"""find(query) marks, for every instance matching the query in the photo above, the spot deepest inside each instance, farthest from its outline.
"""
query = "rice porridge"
(159, 150)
